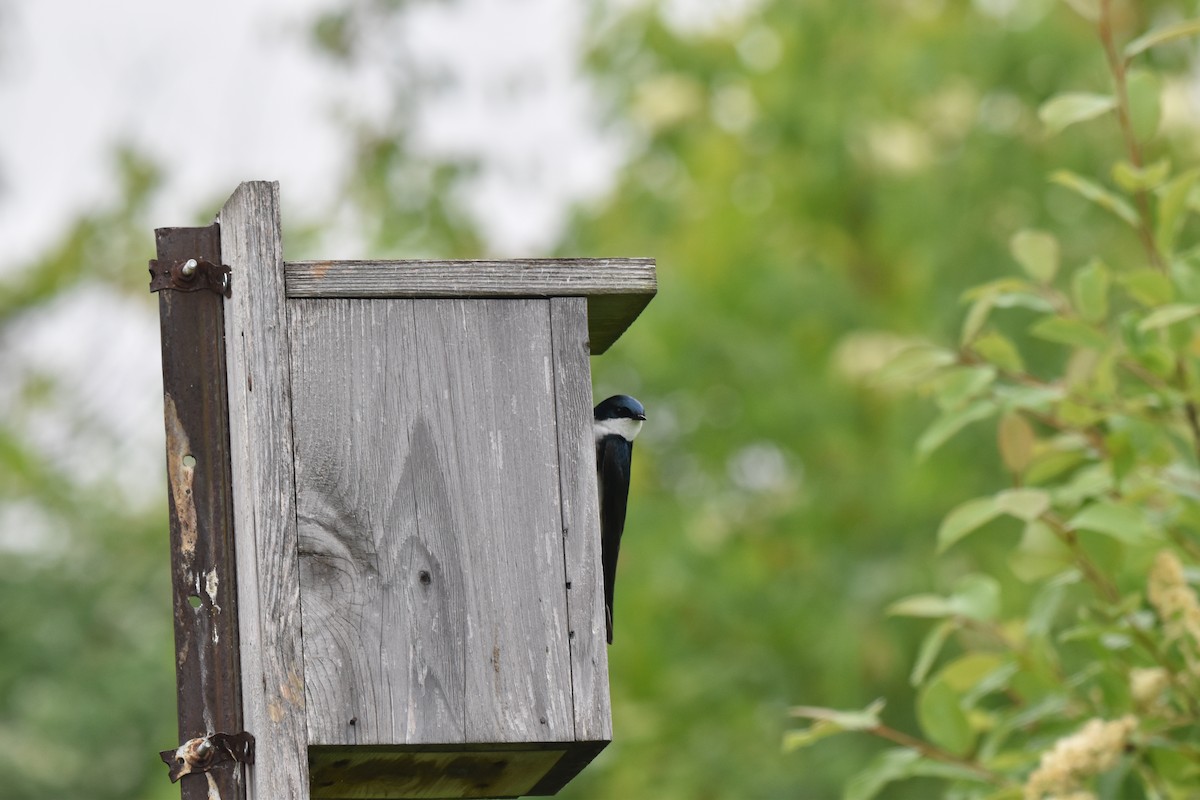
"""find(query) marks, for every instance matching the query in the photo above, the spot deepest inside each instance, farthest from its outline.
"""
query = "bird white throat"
(627, 429)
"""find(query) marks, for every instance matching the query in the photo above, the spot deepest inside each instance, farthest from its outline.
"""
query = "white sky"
(228, 90)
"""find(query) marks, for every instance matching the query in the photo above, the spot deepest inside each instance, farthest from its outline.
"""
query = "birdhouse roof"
(617, 289)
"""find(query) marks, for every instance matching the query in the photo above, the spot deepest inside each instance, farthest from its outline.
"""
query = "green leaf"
(1122, 455)
(1158, 359)
(999, 286)
(863, 720)
(1036, 252)
(1145, 102)
(1034, 302)
(1184, 481)
(1097, 194)
(1175, 765)
(886, 767)
(1068, 108)
(927, 768)
(996, 680)
(930, 606)
(1000, 351)
(975, 319)
(1117, 783)
(1039, 554)
(1167, 33)
(799, 738)
(1148, 287)
(931, 646)
(1052, 463)
(1047, 709)
(1078, 415)
(1088, 9)
(964, 672)
(1048, 601)
(1168, 315)
(941, 716)
(1033, 398)
(977, 596)
(1070, 331)
(955, 387)
(1103, 378)
(1024, 504)
(965, 519)
(1015, 439)
(914, 365)
(1172, 204)
(1134, 179)
(1120, 522)
(1185, 270)
(1011, 792)
(1089, 290)
(1088, 373)
(1088, 482)
(900, 764)
(950, 423)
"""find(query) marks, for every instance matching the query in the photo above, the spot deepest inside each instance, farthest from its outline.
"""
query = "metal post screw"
(189, 268)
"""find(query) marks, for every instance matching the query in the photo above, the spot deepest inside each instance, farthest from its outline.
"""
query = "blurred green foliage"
(820, 181)
(86, 665)
(1086, 686)
(828, 182)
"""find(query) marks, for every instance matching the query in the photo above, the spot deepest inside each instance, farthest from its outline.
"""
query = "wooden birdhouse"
(411, 504)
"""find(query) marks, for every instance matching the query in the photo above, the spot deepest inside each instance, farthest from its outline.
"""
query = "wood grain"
(617, 288)
(264, 494)
(430, 532)
(384, 613)
(487, 392)
(580, 520)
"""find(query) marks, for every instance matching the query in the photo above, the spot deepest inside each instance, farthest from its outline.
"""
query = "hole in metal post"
(194, 600)
(189, 460)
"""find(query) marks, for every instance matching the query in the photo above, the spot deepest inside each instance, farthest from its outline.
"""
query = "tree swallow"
(618, 420)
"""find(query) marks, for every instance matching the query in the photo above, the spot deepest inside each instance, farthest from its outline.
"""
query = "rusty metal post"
(207, 665)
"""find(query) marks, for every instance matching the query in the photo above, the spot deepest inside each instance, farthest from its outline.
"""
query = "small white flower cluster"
(1174, 600)
(1147, 686)
(1092, 750)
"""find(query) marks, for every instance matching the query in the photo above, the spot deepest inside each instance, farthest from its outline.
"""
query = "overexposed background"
(229, 91)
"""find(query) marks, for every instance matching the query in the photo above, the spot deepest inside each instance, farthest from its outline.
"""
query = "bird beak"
(641, 417)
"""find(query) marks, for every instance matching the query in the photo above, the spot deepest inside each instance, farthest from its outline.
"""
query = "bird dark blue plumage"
(617, 422)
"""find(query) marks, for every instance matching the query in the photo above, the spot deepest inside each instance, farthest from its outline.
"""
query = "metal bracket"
(190, 275)
(205, 752)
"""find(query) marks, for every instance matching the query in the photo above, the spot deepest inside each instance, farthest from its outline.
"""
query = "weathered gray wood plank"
(384, 617)
(260, 433)
(617, 288)
(580, 519)
(487, 396)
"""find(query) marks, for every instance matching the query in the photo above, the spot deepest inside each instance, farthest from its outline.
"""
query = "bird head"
(619, 415)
